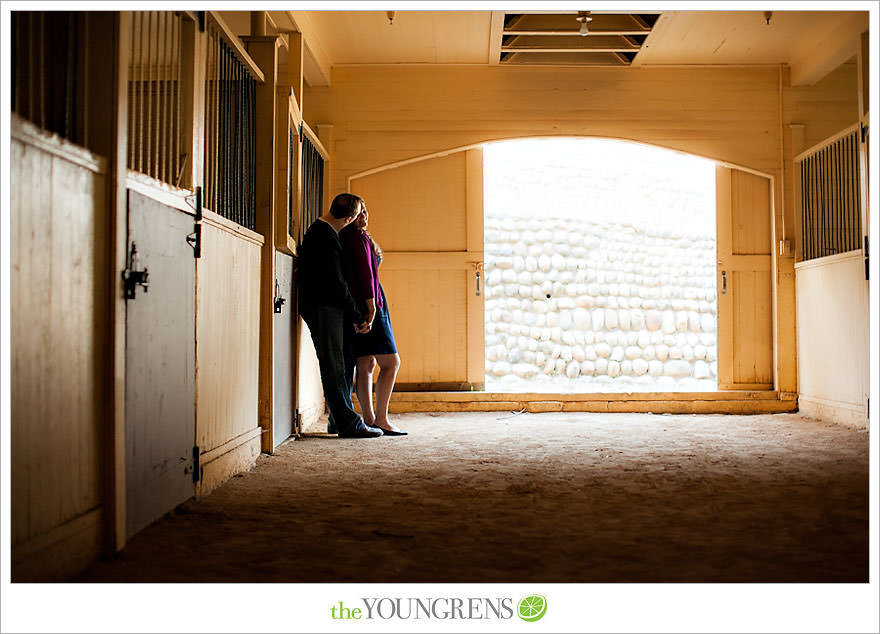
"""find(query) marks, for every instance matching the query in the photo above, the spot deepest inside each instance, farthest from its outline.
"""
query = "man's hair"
(345, 206)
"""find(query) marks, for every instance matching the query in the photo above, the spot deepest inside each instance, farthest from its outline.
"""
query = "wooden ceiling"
(811, 43)
(606, 39)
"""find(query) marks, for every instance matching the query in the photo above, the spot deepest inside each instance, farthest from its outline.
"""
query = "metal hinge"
(301, 132)
(864, 131)
(195, 238)
(196, 469)
(867, 259)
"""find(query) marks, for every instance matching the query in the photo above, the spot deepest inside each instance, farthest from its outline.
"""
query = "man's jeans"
(327, 327)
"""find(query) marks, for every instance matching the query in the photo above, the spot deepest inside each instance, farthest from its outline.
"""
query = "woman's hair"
(345, 205)
(376, 248)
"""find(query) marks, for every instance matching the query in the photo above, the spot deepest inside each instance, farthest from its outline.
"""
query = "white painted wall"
(833, 329)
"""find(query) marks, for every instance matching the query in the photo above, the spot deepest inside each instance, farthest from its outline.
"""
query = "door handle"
(724, 282)
(478, 273)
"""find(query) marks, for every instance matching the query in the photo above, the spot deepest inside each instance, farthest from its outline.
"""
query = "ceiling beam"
(570, 49)
(839, 45)
(570, 32)
(317, 63)
(496, 26)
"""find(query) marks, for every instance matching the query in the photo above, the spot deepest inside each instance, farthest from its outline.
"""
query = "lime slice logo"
(532, 608)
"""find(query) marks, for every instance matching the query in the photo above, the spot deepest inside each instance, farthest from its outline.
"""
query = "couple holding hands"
(344, 306)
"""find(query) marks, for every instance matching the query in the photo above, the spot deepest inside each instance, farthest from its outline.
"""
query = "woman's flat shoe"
(389, 432)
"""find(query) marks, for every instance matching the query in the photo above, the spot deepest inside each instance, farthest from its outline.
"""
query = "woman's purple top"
(361, 266)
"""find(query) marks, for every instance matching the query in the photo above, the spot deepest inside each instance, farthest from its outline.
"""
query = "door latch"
(279, 301)
(133, 275)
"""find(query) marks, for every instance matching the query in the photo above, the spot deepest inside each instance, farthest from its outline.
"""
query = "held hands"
(364, 327)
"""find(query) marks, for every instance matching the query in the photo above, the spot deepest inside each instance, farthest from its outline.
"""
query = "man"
(329, 310)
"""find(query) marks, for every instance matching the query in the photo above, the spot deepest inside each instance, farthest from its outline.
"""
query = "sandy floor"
(533, 497)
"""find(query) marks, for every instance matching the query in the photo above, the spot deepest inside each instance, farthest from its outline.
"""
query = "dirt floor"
(501, 497)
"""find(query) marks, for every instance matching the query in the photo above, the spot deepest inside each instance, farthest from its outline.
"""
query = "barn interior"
(167, 422)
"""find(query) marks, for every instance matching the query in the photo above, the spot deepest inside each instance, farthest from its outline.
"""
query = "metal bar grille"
(154, 89)
(830, 214)
(47, 63)
(230, 147)
(312, 185)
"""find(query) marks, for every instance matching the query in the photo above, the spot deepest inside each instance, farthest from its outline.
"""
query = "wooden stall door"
(159, 364)
(745, 283)
(284, 357)
(428, 218)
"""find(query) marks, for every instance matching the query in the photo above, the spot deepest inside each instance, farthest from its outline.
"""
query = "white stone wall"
(598, 306)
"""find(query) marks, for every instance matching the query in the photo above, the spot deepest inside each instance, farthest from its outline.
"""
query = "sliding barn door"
(428, 218)
(159, 363)
(745, 282)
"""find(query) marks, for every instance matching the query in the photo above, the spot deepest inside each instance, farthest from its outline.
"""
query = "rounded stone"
(701, 370)
(677, 369)
(639, 367)
(603, 350)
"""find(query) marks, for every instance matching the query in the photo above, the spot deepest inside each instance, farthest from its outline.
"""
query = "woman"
(376, 347)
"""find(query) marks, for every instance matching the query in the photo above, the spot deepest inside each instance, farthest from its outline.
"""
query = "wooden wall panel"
(417, 207)
(826, 107)
(428, 218)
(752, 327)
(751, 224)
(833, 338)
(385, 114)
(227, 333)
(57, 282)
(428, 309)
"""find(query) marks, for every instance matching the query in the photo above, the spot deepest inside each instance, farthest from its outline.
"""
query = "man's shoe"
(362, 431)
(331, 427)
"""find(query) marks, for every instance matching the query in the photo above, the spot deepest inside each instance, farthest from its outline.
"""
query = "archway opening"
(600, 267)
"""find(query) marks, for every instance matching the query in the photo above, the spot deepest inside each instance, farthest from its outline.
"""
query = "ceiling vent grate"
(557, 39)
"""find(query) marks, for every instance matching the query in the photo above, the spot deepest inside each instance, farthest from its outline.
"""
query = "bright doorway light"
(600, 267)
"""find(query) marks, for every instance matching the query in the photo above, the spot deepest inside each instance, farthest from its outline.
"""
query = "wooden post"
(258, 23)
(108, 135)
(295, 67)
(796, 132)
(264, 51)
(192, 94)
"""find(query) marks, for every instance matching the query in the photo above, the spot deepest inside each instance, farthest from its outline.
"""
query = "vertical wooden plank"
(476, 365)
(264, 51)
(112, 51)
(432, 312)
(21, 384)
(723, 247)
(295, 67)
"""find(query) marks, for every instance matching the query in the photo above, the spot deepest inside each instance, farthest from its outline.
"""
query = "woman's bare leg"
(365, 366)
(389, 364)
